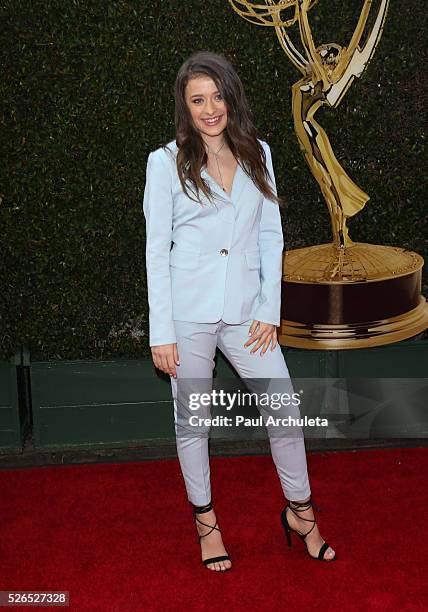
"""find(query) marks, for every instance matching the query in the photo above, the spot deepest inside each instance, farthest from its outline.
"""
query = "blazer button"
(224, 252)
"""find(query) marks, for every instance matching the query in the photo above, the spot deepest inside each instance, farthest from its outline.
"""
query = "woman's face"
(206, 105)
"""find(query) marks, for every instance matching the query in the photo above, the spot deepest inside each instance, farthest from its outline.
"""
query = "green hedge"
(87, 92)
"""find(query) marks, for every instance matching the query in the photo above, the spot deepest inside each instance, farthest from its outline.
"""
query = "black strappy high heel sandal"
(202, 510)
(297, 507)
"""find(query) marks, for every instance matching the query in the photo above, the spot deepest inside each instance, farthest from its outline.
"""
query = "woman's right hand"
(165, 358)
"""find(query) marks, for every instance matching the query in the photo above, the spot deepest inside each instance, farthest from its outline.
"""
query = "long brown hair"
(240, 133)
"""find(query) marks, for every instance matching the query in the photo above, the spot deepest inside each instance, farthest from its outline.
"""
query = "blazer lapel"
(237, 185)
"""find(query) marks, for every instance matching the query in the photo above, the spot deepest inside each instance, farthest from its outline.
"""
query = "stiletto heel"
(287, 528)
(202, 510)
(297, 507)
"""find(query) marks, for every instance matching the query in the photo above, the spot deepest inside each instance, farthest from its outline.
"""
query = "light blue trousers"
(196, 344)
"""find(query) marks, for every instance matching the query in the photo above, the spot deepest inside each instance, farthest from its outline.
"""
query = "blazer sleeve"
(157, 207)
(271, 244)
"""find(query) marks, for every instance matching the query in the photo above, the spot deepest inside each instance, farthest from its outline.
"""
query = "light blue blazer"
(226, 259)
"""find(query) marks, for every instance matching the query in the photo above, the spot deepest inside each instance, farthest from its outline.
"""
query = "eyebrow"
(193, 95)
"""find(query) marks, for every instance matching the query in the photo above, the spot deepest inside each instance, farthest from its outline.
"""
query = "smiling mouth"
(212, 121)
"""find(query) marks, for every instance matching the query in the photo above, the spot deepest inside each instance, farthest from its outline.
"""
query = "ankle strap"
(302, 506)
(202, 509)
(297, 507)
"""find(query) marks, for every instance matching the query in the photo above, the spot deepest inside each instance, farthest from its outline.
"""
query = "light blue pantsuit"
(211, 271)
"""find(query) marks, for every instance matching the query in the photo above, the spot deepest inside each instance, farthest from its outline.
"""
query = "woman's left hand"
(264, 334)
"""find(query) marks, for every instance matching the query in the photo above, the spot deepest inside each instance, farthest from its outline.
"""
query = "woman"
(211, 193)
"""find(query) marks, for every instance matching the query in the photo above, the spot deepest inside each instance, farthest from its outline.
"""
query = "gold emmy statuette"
(343, 294)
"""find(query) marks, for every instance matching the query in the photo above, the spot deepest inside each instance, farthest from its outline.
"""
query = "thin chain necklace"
(215, 153)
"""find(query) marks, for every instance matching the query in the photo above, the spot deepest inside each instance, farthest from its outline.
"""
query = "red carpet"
(121, 536)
